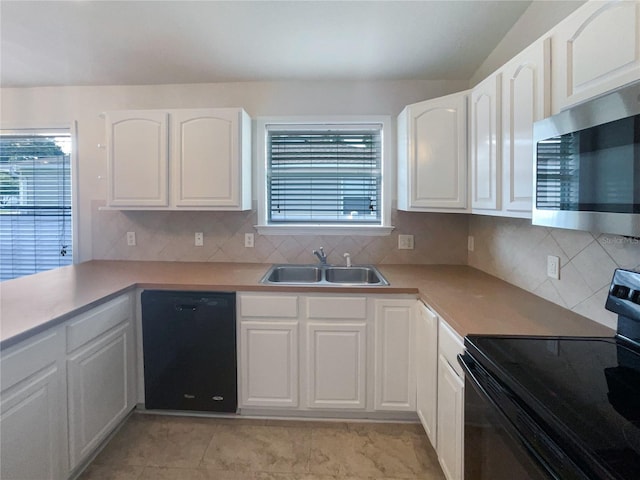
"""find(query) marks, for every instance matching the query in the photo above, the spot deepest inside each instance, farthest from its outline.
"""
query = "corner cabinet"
(188, 159)
(485, 144)
(426, 339)
(432, 155)
(595, 49)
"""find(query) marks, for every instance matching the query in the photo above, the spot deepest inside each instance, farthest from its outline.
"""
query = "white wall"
(538, 19)
(53, 106)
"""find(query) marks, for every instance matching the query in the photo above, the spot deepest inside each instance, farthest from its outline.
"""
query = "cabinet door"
(207, 158)
(595, 50)
(269, 363)
(525, 100)
(395, 387)
(450, 431)
(427, 370)
(432, 157)
(485, 141)
(33, 413)
(137, 159)
(336, 365)
(101, 389)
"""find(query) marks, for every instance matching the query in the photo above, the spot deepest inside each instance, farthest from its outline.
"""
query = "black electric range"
(570, 404)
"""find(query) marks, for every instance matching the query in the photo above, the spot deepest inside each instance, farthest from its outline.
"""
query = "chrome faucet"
(321, 256)
(347, 258)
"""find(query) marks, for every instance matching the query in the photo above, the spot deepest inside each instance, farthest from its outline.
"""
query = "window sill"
(319, 229)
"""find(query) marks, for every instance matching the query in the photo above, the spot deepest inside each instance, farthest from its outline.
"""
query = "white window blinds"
(35, 202)
(324, 175)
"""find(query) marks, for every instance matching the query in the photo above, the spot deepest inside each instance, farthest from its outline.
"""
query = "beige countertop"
(469, 300)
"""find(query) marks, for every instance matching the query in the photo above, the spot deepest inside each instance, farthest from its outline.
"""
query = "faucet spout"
(321, 256)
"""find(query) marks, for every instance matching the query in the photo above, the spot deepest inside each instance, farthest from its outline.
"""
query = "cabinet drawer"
(268, 306)
(337, 307)
(97, 321)
(450, 346)
(29, 357)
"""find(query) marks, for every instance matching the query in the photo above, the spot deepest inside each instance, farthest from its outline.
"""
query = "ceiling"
(81, 42)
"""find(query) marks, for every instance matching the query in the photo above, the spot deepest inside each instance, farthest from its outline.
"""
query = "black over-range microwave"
(587, 161)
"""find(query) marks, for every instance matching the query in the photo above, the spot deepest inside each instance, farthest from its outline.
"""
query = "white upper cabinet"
(193, 159)
(137, 158)
(525, 100)
(485, 144)
(596, 49)
(432, 155)
(211, 158)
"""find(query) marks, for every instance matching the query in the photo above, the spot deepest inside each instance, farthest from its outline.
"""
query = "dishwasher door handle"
(184, 307)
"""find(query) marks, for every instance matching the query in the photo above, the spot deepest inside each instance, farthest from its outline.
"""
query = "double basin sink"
(323, 275)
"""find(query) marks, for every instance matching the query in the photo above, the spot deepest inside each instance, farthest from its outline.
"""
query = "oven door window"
(596, 169)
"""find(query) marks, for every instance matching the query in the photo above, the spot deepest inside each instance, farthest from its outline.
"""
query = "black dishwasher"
(189, 345)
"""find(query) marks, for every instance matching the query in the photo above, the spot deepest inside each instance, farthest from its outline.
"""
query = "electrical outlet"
(470, 243)
(405, 242)
(199, 239)
(248, 240)
(553, 267)
(131, 239)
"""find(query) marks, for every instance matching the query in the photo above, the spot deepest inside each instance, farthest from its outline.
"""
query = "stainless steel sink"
(323, 275)
(293, 274)
(353, 275)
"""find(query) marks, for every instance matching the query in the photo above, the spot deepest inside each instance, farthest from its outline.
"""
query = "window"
(35, 202)
(323, 177)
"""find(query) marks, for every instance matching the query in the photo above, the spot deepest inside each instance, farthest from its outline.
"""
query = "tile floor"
(154, 447)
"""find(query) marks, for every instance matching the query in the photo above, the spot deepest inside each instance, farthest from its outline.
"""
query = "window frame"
(266, 228)
(70, 128)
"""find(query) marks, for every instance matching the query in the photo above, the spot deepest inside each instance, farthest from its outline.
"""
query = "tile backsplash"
(438, 238)
(516, 251)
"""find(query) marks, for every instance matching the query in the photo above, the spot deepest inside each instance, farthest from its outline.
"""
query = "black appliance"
(189, 349)
(556, 407)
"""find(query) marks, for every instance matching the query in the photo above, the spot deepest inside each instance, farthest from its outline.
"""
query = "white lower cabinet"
(426, 340)
(336, 365)
(65, 390)
(450, 416)
(395, 386)
(268, 363)
(33, 412)
(351, 353)
(100, 375)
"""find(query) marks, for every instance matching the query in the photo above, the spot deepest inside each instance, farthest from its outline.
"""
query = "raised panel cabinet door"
(433, 161)
(596, 49)
(33, 413)
(450, 433)
(138, 168)
(101, 389)
(336, 365)
(427, 370)
(395, 378)
(206, 158)
(525, 100)
(485, 142)
(269, 364)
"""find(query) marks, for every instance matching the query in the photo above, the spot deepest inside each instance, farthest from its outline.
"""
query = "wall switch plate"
(199, 239)
(248, 240)
(405, 242)
(553, 267)
(131, 239)
(470, 243)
